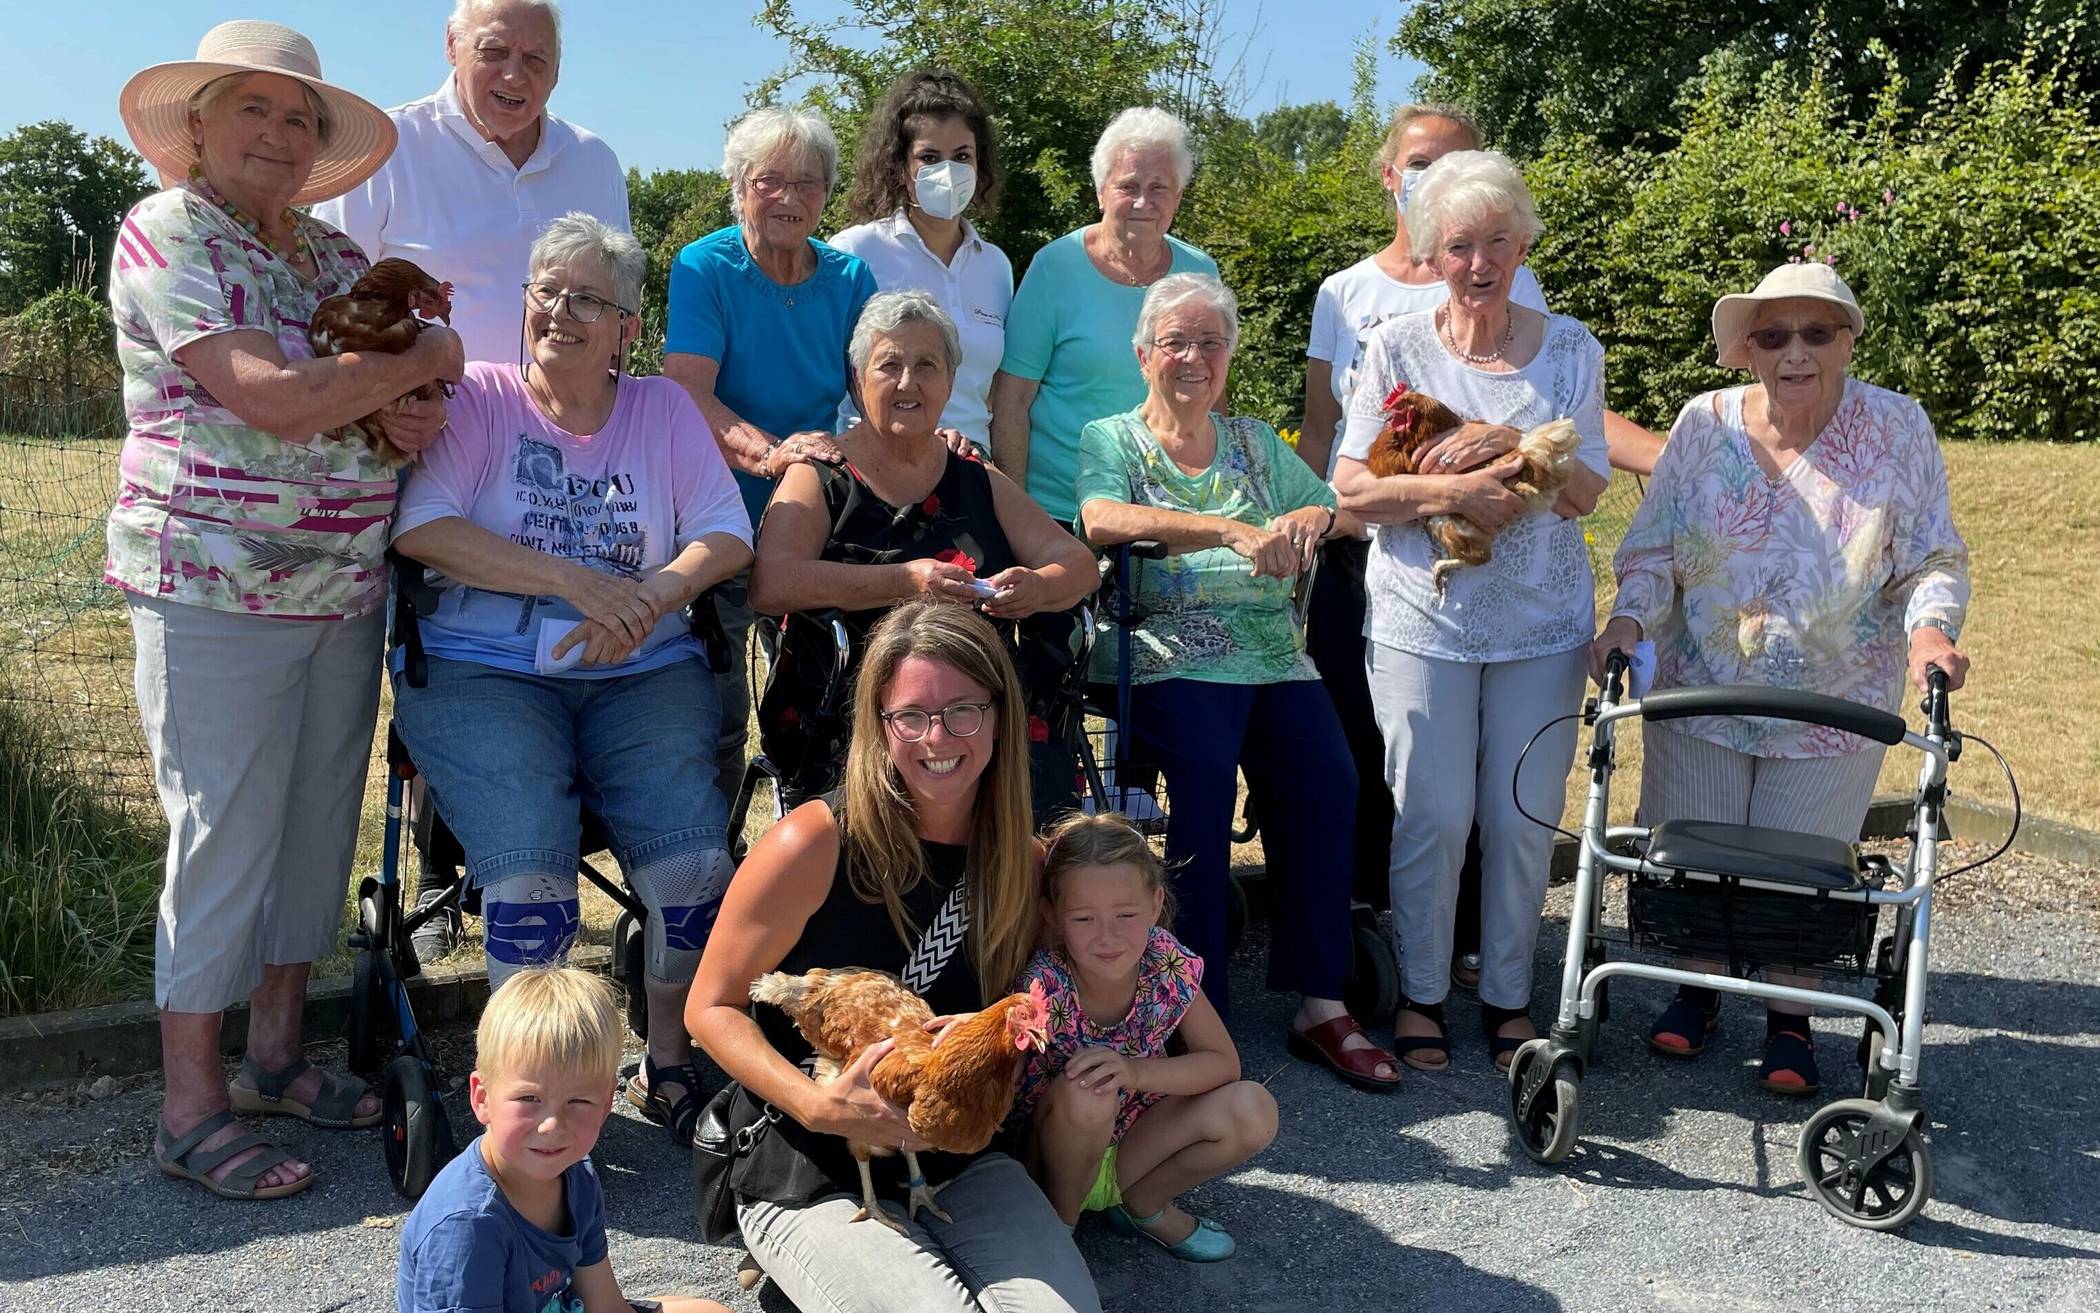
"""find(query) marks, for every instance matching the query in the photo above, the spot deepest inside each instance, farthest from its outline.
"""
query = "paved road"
(1684, 1194)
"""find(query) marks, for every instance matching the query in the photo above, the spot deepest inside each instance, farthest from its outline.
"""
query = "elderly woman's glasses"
(960, 719)
(1772, 339)
(1181, 346)
(772, 184)
(583, 307)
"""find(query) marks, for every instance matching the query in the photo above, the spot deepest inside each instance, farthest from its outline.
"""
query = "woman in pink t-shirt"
(574, 512)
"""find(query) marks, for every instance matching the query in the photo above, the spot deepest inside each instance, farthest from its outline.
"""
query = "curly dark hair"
(880, 186)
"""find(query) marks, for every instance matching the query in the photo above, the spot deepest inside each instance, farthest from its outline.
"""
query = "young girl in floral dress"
(1118, 1125)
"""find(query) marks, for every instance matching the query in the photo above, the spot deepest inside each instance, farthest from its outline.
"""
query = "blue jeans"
(1288, 740)
(513, 760)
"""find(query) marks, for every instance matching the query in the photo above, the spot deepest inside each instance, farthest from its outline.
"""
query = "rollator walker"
(1754, 897)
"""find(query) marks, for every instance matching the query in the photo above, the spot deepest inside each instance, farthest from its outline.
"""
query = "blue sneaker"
(1208, 1243)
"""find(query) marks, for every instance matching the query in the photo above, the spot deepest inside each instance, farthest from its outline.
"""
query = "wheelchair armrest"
(414, 597)
(704, 623)
(1776, 704)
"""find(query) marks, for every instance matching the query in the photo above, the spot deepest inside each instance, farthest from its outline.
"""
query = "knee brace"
(684, 892)
(527, 920)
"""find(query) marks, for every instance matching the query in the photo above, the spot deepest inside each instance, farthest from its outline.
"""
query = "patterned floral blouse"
(1812, 580)
(211, 512)
(1168, 976)
(1208, 617)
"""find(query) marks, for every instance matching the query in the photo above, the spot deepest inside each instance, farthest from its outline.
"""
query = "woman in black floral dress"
(903, 517)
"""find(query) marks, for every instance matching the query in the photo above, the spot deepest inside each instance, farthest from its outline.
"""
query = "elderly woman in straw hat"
(248, 536)
(1796, 535)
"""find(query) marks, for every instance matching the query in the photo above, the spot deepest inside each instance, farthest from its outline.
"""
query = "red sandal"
(1359, 1067)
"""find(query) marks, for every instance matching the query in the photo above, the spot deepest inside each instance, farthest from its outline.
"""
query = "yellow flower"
(1290, 436)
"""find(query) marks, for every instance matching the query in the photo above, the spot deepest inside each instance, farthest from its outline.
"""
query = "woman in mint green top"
(1068, 331)
(1221, 680)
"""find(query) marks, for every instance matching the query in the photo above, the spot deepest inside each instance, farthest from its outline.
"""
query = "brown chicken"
(1416, 421)
(379, 313)
(954, 1095)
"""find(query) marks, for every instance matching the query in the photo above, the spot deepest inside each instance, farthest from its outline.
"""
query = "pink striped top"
(210, 511)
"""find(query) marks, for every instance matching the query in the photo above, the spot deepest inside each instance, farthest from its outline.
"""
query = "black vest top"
(792, 1164)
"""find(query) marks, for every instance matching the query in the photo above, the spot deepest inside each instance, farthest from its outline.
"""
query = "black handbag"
(724, 1134)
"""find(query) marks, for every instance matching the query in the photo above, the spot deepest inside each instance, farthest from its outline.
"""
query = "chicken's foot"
(870, 1210)
(921, 1193)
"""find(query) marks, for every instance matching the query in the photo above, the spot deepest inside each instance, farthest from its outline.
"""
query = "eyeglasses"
(1772, 339)
(960, 719)
(1181, 346)
(583, 307)
(772, 184)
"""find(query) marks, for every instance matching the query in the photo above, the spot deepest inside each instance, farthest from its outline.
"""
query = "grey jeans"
(1005, 1252)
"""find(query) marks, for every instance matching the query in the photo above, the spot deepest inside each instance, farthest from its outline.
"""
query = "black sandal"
(679, 1115)
(1501, 1046)
(1789, 1066)
(1408, 1045)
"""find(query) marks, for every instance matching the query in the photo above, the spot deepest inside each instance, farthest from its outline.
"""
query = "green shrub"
(78, 880)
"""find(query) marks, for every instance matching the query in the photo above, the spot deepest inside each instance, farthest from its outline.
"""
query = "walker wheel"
(1544, 1100)
(412, 1127)
(1880, 1199)
(1371, 991)
(368, 1004)
(630, 960)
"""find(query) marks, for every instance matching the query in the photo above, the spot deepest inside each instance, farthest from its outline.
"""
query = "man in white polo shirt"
(481, 168)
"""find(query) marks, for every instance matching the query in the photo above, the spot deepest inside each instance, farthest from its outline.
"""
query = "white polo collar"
(901, 229)
(554, 134)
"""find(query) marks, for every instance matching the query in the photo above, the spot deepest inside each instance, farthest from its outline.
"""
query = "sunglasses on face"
(1772, 339)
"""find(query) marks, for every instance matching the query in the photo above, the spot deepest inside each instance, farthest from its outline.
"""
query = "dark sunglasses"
(1772, 339)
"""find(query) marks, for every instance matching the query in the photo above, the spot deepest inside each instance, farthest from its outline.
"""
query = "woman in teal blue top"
(1068, 334)
(759, 316)
(1221, 679)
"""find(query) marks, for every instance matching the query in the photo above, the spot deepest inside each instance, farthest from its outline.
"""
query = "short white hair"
(886, 312)
(1468, 186)
(579, 237)
(1177, 290)
(1143, 128)
(463, 15)
(764, 133)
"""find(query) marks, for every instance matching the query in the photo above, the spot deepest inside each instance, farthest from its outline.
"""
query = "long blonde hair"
(883, 858)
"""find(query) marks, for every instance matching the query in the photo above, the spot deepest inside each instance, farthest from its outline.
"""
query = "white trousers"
(1453, 732)
(261, 729)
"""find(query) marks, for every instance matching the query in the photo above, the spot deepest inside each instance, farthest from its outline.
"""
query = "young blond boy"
(516, 1223)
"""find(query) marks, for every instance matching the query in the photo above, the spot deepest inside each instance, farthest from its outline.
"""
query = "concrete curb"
(122, 1039)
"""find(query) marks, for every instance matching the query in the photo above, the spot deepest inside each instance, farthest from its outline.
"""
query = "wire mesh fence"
(65, 640)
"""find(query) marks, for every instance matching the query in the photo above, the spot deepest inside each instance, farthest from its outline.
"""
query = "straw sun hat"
(155, 106)
(1811, 279)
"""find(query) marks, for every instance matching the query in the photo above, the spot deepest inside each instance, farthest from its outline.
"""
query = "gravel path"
(1683, 1194)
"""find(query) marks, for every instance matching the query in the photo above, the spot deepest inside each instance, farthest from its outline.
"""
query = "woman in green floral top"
(1218, 660)
(247, 535)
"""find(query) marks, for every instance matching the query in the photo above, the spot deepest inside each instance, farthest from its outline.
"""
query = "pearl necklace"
(290, 218)
(1508, 335)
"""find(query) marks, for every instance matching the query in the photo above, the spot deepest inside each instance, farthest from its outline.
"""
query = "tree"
(1302, 134)
(62, 197)
(1612, 70)
(656, 200)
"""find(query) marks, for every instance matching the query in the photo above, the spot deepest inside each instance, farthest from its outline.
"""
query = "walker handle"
(1775, 703)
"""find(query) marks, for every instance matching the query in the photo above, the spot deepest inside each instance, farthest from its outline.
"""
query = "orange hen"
(379, 313)
(955, 1094)
(1416, 421)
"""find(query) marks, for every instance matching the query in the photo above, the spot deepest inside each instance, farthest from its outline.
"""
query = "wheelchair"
(383, 1038)
(1116, 781)
(1753, 897)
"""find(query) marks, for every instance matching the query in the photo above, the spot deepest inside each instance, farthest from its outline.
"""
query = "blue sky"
(647, 75)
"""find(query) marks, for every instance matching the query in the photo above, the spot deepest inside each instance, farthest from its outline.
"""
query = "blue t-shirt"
(782, 350)
(466, 1250)
(1070, 328)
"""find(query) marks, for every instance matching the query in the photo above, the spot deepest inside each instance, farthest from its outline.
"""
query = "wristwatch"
(1953, 635)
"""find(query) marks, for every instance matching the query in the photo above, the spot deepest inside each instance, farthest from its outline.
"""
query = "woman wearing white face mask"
(929, 156)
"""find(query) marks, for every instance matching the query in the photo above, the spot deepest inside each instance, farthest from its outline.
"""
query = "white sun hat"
(1810, 278)
(155, 106)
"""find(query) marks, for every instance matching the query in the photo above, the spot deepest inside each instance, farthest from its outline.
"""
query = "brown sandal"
(1359, 1067)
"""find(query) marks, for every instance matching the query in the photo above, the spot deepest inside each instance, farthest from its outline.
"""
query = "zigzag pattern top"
(939, 943)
